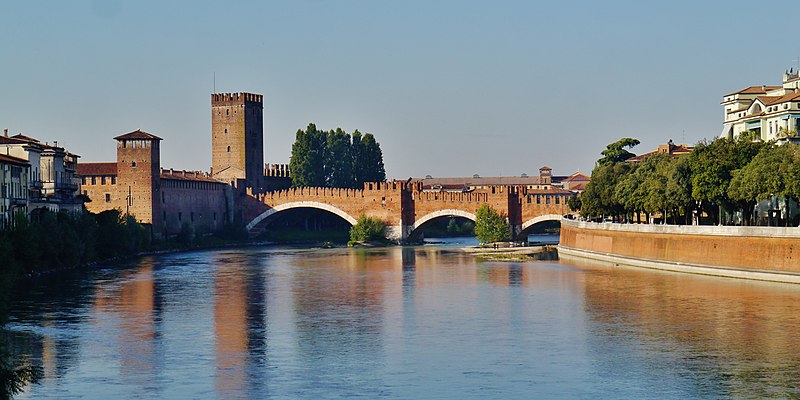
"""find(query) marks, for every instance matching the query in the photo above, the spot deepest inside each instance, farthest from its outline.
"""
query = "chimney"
(764, 87)
(5, 132)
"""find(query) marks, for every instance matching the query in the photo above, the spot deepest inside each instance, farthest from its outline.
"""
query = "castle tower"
(139, 176)
(237, 139)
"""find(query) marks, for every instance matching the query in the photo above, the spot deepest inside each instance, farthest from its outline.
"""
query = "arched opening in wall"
(303, 225)
(542, 232)
(445, 229)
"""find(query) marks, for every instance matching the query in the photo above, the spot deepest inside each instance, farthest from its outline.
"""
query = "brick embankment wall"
(765, 253)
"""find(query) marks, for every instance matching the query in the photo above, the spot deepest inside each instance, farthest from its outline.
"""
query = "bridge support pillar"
(398, 233)
(515, 233)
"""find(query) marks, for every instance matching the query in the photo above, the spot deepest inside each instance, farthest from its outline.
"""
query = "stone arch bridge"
(406, 208)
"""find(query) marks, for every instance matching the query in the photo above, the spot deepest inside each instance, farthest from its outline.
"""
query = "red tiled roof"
(11, 140)
(755, 90)
(553, 190)
(772, 100)
(99, 168)
(138, 134)
(188, 176)
(13, 160)
(577, 177)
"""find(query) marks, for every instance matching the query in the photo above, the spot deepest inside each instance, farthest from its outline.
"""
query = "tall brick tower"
(139, 176)
(237, 139)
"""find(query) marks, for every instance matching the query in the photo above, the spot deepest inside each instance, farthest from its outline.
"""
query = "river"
(419, 322)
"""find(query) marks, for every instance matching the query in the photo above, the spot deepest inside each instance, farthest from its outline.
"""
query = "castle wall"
(202, 204)
(103, 192)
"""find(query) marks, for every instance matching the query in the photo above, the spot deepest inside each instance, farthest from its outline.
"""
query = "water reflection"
(414, 322)
(732, 338)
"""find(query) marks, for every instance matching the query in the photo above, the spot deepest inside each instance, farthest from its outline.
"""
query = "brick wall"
(750, 248)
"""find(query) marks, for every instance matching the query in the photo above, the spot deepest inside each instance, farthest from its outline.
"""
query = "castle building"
(769, 112)
(237, 137)
(164, 199)
(169, 200)
(545, 182)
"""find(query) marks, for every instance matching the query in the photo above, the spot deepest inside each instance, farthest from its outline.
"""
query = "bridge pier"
(398, 233)
(515, 232)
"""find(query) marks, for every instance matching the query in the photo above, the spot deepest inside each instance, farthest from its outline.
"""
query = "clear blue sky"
(449, 88)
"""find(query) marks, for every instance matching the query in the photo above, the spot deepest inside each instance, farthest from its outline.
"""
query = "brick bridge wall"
(405, 208)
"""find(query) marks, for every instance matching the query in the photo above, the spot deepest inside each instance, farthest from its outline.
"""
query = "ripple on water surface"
(412, 322)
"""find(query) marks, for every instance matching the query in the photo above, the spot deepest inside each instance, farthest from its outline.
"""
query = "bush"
(368, 229)
(491, 226)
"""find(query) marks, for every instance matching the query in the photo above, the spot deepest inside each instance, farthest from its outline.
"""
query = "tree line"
(719, 182)
(335, 158)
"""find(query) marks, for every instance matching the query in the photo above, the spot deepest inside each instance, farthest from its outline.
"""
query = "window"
(102, 180)
(226, 130)
(94, 180)
(113, 180)
(133, 164)
(229, 149)
(108, 198)
(228, 112)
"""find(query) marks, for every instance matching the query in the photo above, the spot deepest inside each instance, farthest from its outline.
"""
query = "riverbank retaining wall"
(766, 253)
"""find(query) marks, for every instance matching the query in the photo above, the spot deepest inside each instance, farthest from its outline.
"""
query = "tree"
(338, 165)
(307, 160)
(335, 159)
(598, 199)
(712, 165)
(774, 171)
(491, 226)
(368, 229)
(371, 161)
(615, 152)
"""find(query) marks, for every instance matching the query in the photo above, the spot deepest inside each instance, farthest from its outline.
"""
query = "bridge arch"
(527, 225)
(300, 204)
(416, 230)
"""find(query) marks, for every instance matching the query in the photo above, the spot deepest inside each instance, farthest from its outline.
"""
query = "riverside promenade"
(761, 253)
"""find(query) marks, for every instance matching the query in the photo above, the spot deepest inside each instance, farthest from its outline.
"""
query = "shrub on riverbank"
(368, 229)
(491, 226)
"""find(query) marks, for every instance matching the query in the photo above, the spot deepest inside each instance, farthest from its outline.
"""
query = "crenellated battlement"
(228, 99)
(277, 171)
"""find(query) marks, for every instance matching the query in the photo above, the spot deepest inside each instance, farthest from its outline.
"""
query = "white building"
(14, 174)
(770, 112)
(51, 182)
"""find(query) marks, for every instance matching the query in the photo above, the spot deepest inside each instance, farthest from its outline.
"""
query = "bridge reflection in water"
(297, 323)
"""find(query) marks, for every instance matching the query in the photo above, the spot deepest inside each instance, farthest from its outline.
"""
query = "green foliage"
(599, 197)
(15, 376)
(368, 229)
(712, 165)
(491, 226)
(574, 202)
(774, 171)
(615, 152)
(335, 159)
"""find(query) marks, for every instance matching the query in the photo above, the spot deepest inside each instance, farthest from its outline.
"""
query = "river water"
(407, 323)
